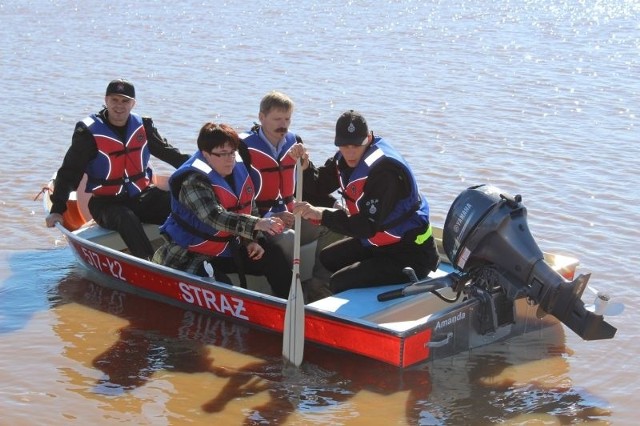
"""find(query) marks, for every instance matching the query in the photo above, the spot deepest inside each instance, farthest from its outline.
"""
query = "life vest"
(120, 168)
(274, 178)
(410, 213)
(185, 228)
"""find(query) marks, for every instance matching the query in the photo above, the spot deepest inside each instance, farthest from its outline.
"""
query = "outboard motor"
(486, 228)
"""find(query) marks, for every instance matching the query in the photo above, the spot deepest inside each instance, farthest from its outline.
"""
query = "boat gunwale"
(315, 317)
(410, 345)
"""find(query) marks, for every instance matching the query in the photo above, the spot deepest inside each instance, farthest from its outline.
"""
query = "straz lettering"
(213, 301)
(450, 321)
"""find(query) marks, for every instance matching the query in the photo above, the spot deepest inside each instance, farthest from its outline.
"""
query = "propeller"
(602, 304)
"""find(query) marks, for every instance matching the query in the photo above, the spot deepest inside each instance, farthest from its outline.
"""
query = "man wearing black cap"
(386, 217)
(113, 148)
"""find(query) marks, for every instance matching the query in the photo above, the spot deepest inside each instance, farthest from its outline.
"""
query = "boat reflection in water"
(135, 353)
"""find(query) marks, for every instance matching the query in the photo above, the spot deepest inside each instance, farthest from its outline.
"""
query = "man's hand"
(307, 211)
(52, 219)
(300, 151)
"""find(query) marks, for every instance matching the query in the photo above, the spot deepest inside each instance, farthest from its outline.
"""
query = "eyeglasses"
(231, 154)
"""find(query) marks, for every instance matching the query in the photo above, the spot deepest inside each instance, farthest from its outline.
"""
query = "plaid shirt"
(197, 194)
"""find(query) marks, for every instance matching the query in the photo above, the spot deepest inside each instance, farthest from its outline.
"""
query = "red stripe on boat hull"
(380, 344)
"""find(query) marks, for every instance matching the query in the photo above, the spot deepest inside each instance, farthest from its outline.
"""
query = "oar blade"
(293, 336)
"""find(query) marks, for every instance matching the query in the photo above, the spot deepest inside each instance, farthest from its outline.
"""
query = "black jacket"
(386, 185)
(83, 149)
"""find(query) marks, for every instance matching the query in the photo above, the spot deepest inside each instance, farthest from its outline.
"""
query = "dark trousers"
(273, 265)
(354, 265)
(126, 215)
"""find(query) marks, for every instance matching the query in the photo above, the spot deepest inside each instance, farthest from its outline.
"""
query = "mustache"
(282, 129)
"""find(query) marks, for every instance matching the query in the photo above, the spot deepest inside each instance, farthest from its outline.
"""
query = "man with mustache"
(270, 151)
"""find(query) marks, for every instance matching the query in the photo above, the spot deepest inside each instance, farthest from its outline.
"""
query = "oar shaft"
(293, 333)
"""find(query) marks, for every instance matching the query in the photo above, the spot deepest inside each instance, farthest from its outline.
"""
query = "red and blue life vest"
(410, 213)
(121, 167)
(273, 178)
(186, 229)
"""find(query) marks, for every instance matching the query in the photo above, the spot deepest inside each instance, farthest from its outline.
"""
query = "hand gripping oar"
(293, 334)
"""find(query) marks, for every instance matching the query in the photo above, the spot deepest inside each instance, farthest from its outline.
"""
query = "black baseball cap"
(351, 129)
(121, 87)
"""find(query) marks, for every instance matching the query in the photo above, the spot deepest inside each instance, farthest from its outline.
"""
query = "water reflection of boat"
(173, 328)
(499, 272)
(153, 338)
(214, 364)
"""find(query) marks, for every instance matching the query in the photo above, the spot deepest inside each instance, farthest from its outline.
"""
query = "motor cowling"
(486, 227)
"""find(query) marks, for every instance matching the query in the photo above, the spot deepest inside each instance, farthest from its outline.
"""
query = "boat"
(493, 283)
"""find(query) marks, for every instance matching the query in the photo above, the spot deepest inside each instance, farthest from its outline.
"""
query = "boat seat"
(363, 303)
(107, 237)
(110, 238)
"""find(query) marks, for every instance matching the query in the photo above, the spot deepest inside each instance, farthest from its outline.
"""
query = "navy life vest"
(186, 229)
(410, 213)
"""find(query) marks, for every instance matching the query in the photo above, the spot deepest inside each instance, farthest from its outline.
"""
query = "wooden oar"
(293, 334)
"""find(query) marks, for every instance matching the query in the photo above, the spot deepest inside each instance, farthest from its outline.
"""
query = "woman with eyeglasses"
(214, 218)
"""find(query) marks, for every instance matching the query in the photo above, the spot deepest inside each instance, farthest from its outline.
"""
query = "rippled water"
(539, 98)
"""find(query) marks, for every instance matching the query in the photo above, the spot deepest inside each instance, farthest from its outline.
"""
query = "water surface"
(538, 98)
